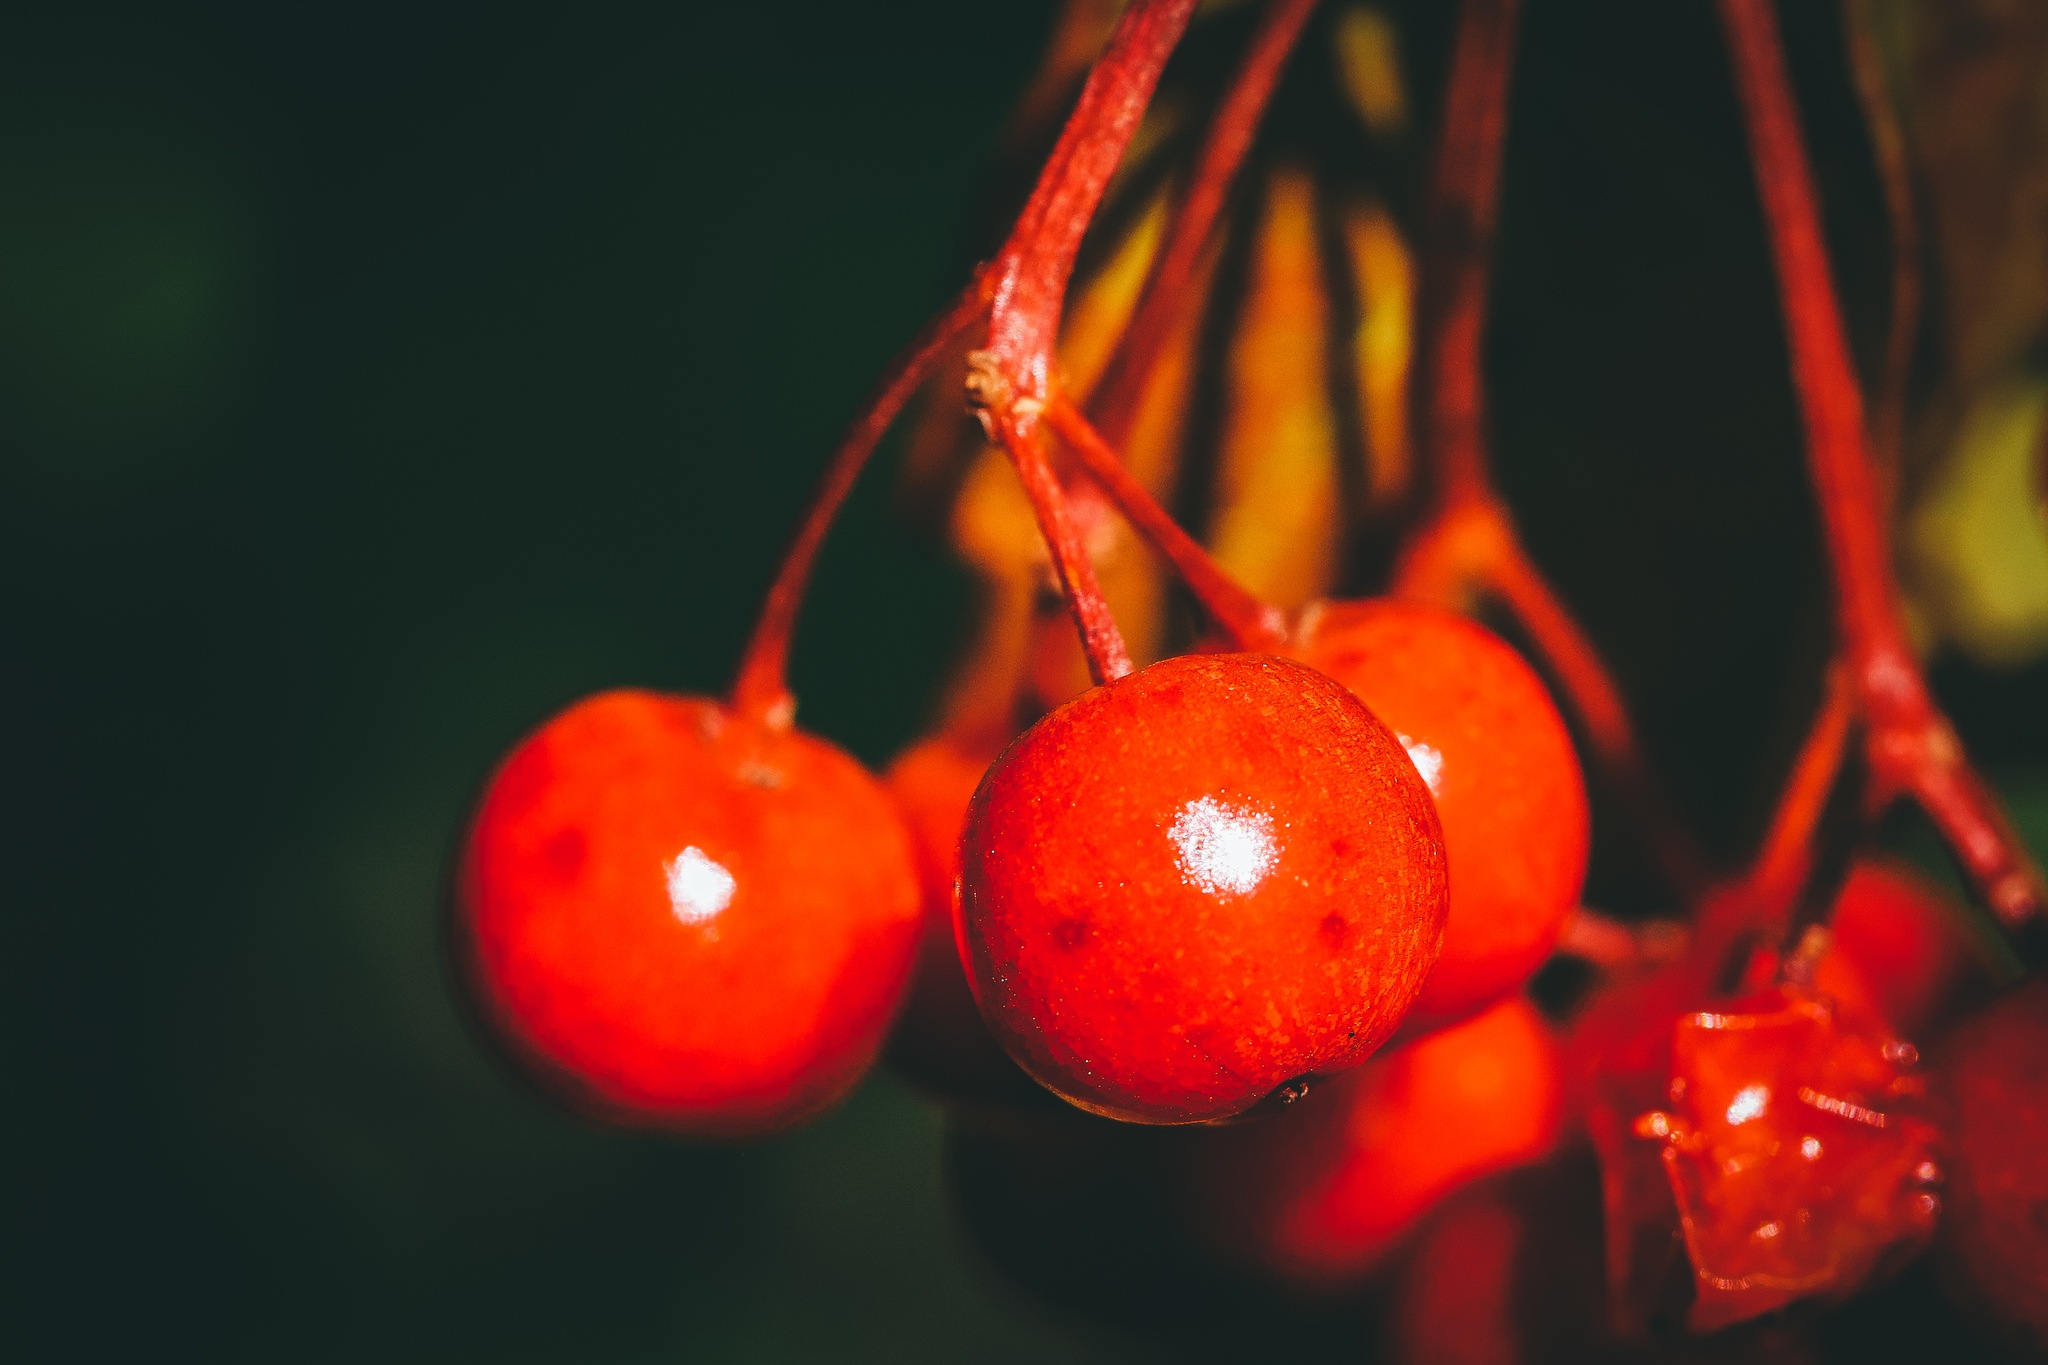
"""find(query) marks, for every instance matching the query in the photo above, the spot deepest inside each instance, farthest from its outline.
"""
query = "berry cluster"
(1289, 884)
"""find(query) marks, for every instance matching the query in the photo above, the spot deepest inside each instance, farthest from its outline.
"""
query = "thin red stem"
(1011, 381)
(1830, 399)
(1464, 206)
(1101, 641)
(1250, 623)
(1614, 946)
(760, 688)
(1596, 699)
(1894, 173)
(1229, 138)
(1911, 747)
(1468, 542)
(1785, 858)
(1031, 271)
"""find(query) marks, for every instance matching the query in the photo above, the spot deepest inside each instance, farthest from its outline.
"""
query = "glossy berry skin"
(1993, 1248)
(1483, 731)
(1800, 1155)
(678, 918)
(1190, 887)
(1320, 1193)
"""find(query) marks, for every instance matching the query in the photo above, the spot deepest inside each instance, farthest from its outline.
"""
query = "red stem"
(1785, 858)
(1911, 747)
(1594, 696)
(1830, 399)
(1464, 206)
(1229, 138)
(1101, 641)
(1250, 623)
(1031, 271)
(760, 688)
(1888, 150)
(1614, 946)
(1011, 381)
(1468, 541)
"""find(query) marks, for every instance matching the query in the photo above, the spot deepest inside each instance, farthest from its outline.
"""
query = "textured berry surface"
(1483, 732)
(1321, 1192)
(1190, 887)
(680, 919)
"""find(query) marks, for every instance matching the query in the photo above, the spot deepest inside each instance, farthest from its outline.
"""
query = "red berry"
(680, 918)
(1457, 1291)
(1187, 888)
(940, 1039)
(1994, 1237)
(1798, 1154)
(1899, 949)
(1483, 732)
(1321, 1192)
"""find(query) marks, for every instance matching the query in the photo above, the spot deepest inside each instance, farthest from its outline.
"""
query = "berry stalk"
(1888, 149)
(1759, 906)
(1228, 139)
(1594, 697)
(1911, 747)
(1467, 545)
(1464, 209)
(1010, 381)
(1785, 859)
(1617, 946)
(1029, 275)
(760, 687)
(1014, 424)
(1250, 623)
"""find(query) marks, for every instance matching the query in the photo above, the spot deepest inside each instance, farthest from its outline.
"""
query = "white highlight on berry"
(1223, 848)
(698, 888)
(1749, 1102)
(1427, 760)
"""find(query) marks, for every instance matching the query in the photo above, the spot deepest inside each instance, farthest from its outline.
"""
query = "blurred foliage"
(1978, 536)
(374, 379)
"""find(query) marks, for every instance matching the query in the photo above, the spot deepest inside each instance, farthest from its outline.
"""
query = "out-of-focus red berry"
(1197, 884)
(1456, 1303)
(1321, 1192)
(1483, 732)
(1799, 1153)
(940, 1040)
(1994, 1239)
(1898, 951)
(679, 918)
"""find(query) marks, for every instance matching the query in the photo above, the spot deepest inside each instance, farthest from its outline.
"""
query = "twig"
(1229, 138)
(1911, 747)
(1894, 172)
(1250, 623)
(1011, 381)
(1614, 946)
(1467, 545)
(760, 686)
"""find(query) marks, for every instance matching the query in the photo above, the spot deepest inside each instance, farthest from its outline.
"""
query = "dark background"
(377, 378)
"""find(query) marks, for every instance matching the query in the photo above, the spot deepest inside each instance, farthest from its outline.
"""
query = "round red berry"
(1321, 1192)
(680, 918)
(1483, 732)
(940, 1041)
(1190, 887)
